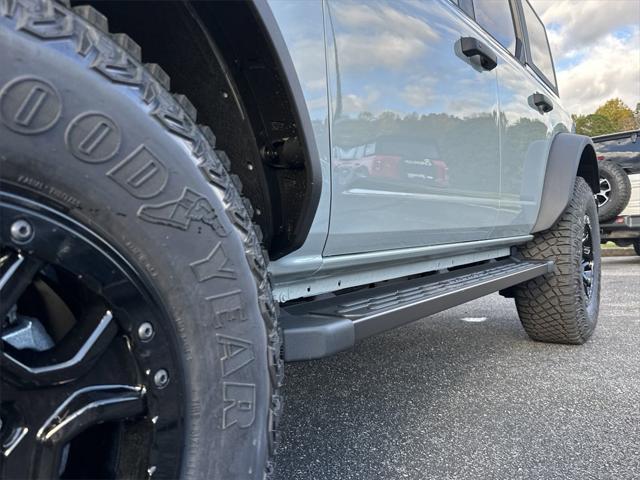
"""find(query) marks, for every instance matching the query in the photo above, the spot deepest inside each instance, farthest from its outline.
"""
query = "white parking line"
(473, 319)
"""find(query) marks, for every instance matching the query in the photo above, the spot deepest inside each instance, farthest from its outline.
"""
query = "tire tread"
(551, 307)
(88, 28)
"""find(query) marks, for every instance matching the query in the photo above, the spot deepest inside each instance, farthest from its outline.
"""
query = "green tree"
(594, 124)
(618, 113)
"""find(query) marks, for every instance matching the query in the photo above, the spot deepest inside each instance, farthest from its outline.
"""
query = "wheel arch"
(570, 155)
(230, 60)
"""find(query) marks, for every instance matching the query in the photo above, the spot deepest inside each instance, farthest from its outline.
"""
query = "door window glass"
(540, 52)
(495, 17)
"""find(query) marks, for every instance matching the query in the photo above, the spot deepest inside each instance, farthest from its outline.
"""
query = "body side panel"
(526, 133)
(526, 139)
(305, 272)
(345, 271)
(415, 158)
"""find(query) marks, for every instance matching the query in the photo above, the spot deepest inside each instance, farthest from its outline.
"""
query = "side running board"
(321, 328)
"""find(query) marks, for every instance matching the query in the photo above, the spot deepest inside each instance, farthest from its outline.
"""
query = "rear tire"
(615, 191)
(636, 246)
(558, 307)
(89, 131)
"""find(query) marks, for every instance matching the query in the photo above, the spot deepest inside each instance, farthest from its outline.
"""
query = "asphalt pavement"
(466, 395)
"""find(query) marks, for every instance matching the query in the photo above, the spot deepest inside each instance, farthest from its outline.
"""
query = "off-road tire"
(620, 193)
(554, 307)
(87, 129)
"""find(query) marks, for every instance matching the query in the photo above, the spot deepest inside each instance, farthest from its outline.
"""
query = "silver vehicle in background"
(223, 186)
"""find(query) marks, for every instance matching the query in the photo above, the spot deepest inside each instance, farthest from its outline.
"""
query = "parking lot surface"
(466, 395)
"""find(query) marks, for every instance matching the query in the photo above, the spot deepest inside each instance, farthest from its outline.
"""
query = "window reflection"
(496, 18)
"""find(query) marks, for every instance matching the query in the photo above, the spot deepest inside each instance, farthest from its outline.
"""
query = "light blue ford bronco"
(224, 186)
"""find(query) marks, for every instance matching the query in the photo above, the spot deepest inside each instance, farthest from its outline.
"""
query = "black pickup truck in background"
(619, 198)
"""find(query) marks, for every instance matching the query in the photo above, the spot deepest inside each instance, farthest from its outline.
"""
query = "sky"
(596, 50)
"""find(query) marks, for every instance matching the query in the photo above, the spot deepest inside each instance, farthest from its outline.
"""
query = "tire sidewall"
(195, 263)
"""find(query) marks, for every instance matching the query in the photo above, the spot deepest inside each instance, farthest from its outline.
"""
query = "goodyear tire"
(90, 134)
(615, 191)
(562, 306)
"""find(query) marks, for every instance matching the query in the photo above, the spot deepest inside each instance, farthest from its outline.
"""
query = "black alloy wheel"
(587, 263)
(602, 197)
(86, 355)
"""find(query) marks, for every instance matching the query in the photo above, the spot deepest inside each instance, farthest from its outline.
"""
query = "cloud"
(373, 36)
(420, 92)
(574, 25)
(610, 69)
(383, 18)
(384, 50)
(352, 103)
(596, 50)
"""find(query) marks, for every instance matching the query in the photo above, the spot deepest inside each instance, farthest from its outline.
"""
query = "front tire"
(89, 134)
(562, 306)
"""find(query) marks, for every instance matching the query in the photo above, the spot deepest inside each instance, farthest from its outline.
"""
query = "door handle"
(543, 103)
(471, 47)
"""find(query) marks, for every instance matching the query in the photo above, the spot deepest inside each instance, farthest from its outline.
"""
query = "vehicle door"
(414, 131)
(530, 112)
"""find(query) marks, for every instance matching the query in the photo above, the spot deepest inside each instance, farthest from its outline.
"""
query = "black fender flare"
(570, 155)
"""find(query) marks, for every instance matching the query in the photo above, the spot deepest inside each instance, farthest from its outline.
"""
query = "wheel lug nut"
(21, 231)
(145, 331)
(161, 378)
